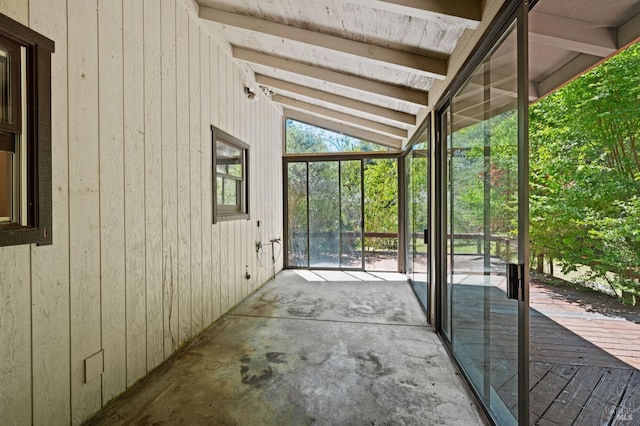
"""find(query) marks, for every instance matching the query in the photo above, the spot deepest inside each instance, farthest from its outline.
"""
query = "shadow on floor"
(585, 357)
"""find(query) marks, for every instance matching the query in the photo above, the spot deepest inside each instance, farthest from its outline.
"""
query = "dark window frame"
(38, 139)
(222, 212)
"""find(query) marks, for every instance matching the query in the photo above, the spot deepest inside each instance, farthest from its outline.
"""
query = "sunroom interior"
(170, 175)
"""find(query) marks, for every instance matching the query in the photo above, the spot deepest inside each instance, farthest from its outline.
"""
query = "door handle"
(426, 236)
(515, 281)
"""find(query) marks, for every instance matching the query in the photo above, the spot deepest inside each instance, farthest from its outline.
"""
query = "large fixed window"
(25, 135)
(303, 138)
(231, 183)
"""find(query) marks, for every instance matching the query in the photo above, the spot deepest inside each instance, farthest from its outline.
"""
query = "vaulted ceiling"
(366, 67)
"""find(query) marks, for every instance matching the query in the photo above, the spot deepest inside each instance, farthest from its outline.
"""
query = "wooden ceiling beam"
(467, 13)
(571, 34)
(629, 32)
(423, 65)
(344, 129)
(331, 114)
(331, 98)
(410, 96)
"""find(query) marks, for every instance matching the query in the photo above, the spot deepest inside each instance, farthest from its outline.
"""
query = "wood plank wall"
(136, 269)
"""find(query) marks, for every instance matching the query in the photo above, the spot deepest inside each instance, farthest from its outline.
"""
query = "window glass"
(229, 160)
(302, 138)
(227, 192)
(5, 86)
(11, 56)
(6, 186)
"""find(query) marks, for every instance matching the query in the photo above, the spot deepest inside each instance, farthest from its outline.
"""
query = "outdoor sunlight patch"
(338, 276)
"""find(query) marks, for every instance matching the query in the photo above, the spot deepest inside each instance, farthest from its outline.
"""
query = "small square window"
(25, 135)
(231, 183)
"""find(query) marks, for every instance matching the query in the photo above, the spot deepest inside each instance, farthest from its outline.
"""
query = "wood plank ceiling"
(365, 67)
(360, 67)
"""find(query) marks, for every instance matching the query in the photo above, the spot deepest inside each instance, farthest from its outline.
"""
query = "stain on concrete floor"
(298, 353)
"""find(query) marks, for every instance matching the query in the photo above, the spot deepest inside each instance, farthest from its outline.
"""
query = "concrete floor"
(298, 353)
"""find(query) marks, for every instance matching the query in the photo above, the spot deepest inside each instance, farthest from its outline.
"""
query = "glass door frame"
(425, 129)
(335, 157)
(511, 11)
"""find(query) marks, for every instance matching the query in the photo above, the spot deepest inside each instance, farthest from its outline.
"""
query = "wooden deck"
(585, 358)
(584, 350)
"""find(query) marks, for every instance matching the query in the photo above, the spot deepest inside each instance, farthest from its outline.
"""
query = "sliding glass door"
(484, 196)
(324, 214)
(297, 214)
(351, 207)
(418, 207)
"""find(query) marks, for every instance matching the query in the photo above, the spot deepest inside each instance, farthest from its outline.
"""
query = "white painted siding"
(136, 269)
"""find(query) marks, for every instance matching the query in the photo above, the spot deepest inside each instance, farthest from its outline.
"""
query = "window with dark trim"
(25, 135)
(230, 177)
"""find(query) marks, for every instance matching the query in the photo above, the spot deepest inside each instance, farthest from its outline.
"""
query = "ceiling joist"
(571, 34)
(411, 96)
(467, 13)
(424, 65)
(331, 114)
(344, 129)
(331, 98)
(629, 31)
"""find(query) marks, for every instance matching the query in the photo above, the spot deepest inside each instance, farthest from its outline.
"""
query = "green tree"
(585, 171)
(302, 138)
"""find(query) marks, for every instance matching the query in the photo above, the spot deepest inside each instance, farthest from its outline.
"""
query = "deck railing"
(501, 242)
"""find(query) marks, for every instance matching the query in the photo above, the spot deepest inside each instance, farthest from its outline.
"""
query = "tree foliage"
(381, 201)
(585, 170)
(302, 138)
